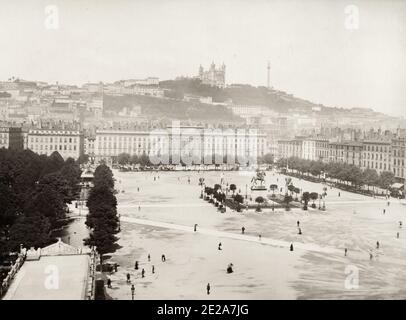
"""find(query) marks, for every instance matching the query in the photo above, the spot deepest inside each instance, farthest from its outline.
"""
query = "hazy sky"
(313, 55)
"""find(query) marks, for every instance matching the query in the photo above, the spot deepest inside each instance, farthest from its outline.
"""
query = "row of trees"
(34, 193)
(144, 160)
(342, 172)
(102, 218)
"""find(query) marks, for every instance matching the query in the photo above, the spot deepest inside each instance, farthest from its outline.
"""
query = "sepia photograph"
(202, 151)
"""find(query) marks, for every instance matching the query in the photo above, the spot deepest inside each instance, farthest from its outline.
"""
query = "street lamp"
(132, 292)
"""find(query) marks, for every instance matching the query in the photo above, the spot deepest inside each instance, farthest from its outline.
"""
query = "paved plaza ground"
(159, 218)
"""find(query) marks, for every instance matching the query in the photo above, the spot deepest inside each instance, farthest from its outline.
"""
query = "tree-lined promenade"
(344, 174)
(102, 218)
(143, 160)
(34, 193)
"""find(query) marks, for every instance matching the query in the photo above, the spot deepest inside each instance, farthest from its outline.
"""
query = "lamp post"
(132, 292)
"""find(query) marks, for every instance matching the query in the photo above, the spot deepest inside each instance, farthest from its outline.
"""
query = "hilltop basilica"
(214, 77)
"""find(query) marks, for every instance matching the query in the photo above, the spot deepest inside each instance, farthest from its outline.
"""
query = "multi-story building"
(196, 145)
(377, 155)
(213, 77)
(68, 143)
(399, 158)
(11, 138)
(290, 148)
(88, 147)
(322, 150)
(309, 149)
(349, 152)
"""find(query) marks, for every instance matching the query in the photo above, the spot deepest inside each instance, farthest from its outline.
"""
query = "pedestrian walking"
(149, 257)
(163, 258)
(219, 247)
(115, 267)
(400, 224)
(128, 278)
(370, 256)
(298, 223)
(397, 235)
(300, 231)
(260, 237)
(384, 211)
(377, 244)
(143, 273)
(291, 247)
(243, 230)
(208, 288)
(136, 265)
(345, 252)
(195, 228)
(153, 269)
(339, 194)
(109, 283)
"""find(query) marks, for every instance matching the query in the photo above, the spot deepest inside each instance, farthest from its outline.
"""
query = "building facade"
(11, 138)
(68, 143)
(192, 145)
(377, 155)
(290, 148)
(399, 158)
(349, 152)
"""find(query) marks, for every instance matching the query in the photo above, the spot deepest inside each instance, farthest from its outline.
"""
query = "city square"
(264, 268)
(199, 153)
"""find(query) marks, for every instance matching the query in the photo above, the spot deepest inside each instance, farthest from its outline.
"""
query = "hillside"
(168, 109)
(244, 94)
(239, 94)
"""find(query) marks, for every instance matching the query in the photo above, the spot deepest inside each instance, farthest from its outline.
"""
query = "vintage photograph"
(202, 150)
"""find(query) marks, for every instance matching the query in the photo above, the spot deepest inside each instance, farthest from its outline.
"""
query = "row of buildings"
(190, 144)
(381, 155)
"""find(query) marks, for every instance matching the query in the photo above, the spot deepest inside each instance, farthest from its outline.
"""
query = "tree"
(54, 163)
(83, 158)
(287, 199)
(260, 200)
(123, 158)
(71, 173)
(305, 199)
(46, 201)
(297, 191)
(103, 175)
(58, 183)
(144, 160)
(370, 177)
(134, 159)
(240, 200)
(268, 158)
(29, 231)
(103, 220)
(386, 179)
(9, 209)
(291, 188)
(314, 196)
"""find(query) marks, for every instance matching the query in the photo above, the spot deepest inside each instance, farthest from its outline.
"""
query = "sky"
(322, 51)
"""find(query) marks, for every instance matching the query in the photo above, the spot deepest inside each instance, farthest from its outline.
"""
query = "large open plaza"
(158, 212)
